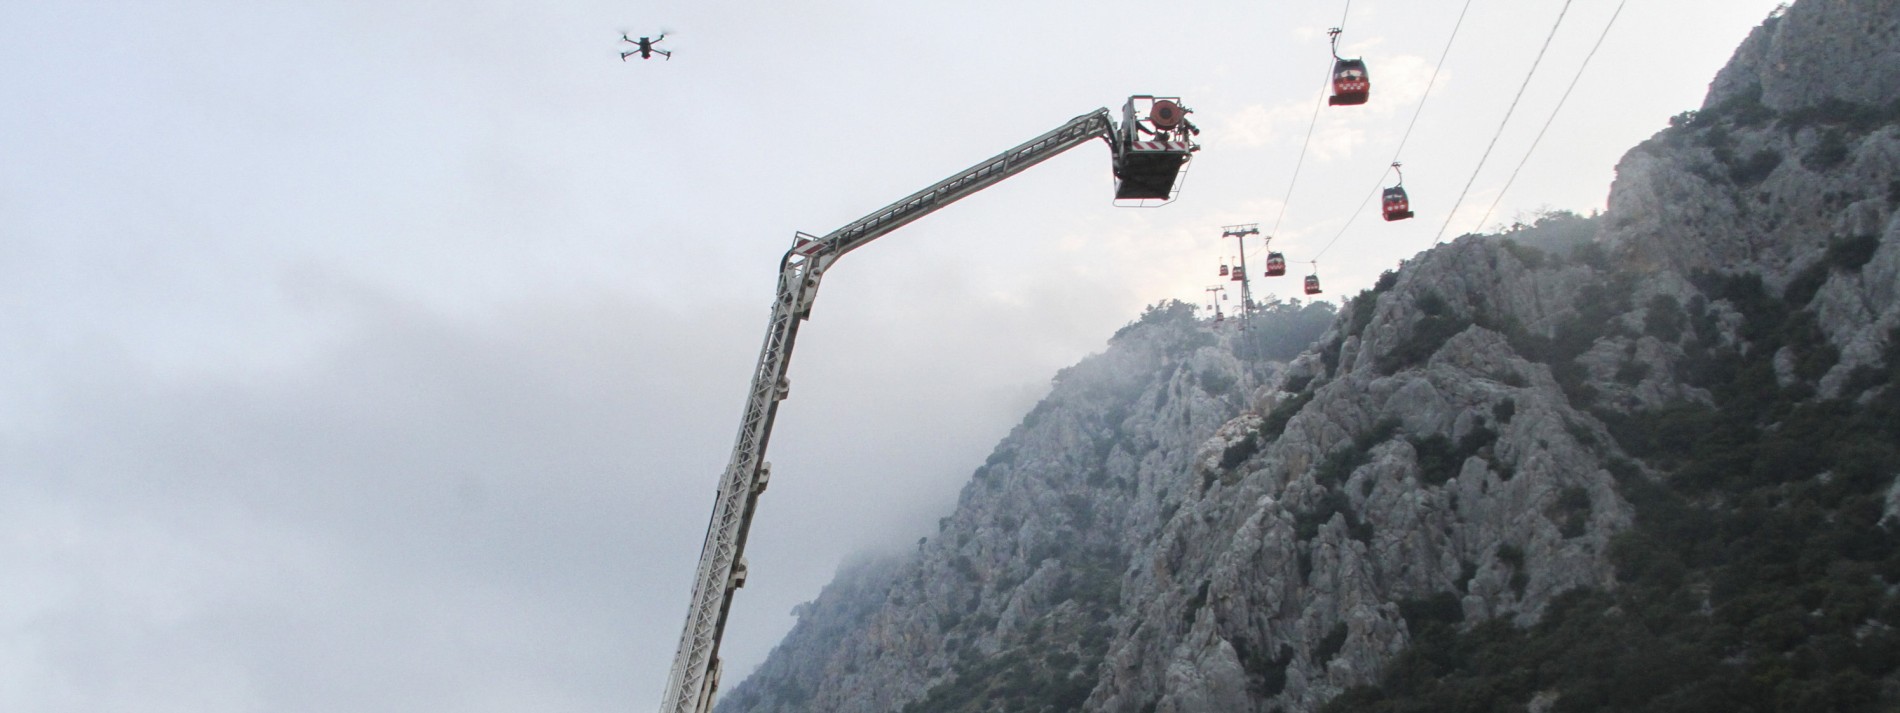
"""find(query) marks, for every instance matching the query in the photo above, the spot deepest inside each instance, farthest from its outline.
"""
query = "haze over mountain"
(1643, 460)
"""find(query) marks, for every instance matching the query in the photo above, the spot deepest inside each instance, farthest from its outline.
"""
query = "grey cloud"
(428, 490)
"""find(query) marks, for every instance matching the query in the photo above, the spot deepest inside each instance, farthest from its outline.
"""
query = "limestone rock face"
(1786, 171)
(1183, 526)
(1032, 560)
(1816, 51)
(1293, 562)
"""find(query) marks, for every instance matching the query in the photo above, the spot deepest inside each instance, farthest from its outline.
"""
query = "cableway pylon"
(1239, 233)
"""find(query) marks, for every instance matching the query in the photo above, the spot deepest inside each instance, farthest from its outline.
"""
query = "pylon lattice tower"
(1239, 233)
(1214, 295)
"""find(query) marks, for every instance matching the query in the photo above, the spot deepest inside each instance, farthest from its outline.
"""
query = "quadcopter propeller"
(666, 33)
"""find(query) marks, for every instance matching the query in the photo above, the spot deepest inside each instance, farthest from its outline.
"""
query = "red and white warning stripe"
(807, 247)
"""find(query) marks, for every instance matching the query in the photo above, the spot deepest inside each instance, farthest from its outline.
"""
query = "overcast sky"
(382, 356)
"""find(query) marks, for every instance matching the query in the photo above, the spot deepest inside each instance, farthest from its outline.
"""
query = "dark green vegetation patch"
(1440, 460)
(1757, 575)
(1054, 667)
(1438, 324)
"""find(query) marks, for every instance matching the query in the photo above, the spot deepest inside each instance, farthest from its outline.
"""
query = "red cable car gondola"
(1312, 281)
(1276, 264)
(1397, 205)
(1223, 269)
(1237, 275)
(1351, 83)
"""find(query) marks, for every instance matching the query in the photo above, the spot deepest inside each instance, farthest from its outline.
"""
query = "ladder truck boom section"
(1150, 150)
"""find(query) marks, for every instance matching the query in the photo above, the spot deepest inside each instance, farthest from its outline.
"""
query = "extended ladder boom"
(695, 676)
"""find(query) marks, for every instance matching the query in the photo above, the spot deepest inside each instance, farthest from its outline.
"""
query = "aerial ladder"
(1150, 147)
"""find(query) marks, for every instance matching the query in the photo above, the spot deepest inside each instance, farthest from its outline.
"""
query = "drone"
(644, 47)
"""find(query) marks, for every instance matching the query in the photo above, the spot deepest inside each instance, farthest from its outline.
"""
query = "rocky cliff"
(1639, 461)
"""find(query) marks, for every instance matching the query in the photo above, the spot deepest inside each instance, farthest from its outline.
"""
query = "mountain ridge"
(1515, 441)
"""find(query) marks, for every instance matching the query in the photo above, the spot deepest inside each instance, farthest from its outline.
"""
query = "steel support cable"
(1295, 181)
(1507, 120)
(1355, 213)
(1407, 136)
(1553, 114)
